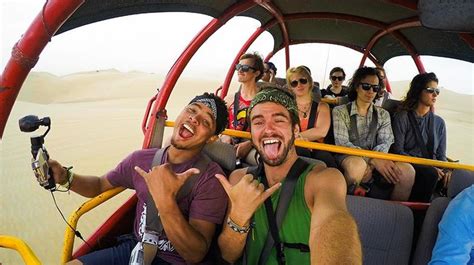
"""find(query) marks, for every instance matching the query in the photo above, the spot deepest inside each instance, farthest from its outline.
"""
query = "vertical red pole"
(419, 64)
(364, 58)
(185, 57)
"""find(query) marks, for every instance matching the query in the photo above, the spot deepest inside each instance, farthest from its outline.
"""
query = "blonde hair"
(302, 70)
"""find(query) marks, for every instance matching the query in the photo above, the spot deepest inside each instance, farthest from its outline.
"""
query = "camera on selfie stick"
(39, 162)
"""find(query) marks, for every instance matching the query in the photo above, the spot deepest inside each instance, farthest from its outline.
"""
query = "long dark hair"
(417, 85)
(360, 74)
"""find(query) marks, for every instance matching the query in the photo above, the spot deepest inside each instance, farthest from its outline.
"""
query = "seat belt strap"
(154, 226)
(426, 149)
(354, 132)
(236, 108)
(430, 143)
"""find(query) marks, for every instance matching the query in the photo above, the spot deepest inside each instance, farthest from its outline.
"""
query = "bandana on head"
(219, 118)
(278, 96)
(209, 102)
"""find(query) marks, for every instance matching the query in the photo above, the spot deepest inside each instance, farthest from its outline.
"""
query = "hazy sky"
(152, 42)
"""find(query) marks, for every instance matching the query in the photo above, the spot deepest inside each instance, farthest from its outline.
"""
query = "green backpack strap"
(275, 219)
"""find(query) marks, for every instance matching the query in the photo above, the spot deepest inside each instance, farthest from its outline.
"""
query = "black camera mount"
(39, 163)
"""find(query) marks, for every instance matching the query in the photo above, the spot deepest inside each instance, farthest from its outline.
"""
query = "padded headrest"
(391, 105)
(221, 153)
(460, 179)
(385, 228)
(280, 81)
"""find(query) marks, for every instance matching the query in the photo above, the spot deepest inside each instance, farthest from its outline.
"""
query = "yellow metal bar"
(357, 152)
(21, 247)
(74, 218)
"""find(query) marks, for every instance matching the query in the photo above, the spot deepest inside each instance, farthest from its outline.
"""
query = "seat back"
(460, 179)
(316, 92)
(280, 81)
(429, 231)
(385, 228)
(221, 153)
(391, 105)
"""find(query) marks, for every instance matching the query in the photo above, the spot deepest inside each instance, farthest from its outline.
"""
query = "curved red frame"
(384, 29)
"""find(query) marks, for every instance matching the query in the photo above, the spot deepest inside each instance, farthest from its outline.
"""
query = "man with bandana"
(316, 227)
(189, 223)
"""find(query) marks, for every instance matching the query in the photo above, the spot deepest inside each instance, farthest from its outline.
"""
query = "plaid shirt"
(342, 125)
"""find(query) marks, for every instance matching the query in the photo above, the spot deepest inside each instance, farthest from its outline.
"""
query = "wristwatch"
(237, 228)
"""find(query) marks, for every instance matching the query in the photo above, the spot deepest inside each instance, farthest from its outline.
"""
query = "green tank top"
(295, 227)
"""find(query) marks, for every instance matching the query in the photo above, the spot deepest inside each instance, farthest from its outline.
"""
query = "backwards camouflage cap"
(279, 96)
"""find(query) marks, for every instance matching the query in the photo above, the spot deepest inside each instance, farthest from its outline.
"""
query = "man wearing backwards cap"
(316, 216)
(189, 224)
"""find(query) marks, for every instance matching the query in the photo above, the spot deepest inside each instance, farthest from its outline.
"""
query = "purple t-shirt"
(207, 200)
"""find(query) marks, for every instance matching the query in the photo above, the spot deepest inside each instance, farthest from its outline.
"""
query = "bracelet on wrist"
(69, 178)
(237, 228)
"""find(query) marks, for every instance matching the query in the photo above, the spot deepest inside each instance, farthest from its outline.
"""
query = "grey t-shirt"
(405, 137)
(207, 200)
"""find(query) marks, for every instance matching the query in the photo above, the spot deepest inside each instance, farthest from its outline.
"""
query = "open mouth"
(186, 131)
(271, 148)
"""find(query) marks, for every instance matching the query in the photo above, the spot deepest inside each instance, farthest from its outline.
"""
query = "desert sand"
(96, 121)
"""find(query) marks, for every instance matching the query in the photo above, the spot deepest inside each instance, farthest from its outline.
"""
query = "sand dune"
(96, 121)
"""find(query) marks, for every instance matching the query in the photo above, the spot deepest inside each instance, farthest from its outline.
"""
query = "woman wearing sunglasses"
(315, 118)
(421, 133)
(335, 89)
(359, 124)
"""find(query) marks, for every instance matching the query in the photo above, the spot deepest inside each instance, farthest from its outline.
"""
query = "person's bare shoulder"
(324, 180)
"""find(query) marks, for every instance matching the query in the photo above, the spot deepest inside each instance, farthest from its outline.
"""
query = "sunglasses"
(366, 87)
(432, 90)
(334, 78)
(244, 67)
(303, 81)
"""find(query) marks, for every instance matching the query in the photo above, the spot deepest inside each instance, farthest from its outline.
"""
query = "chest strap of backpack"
(154, 227)
(426, 149)
(275, 219)
(354, 132)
